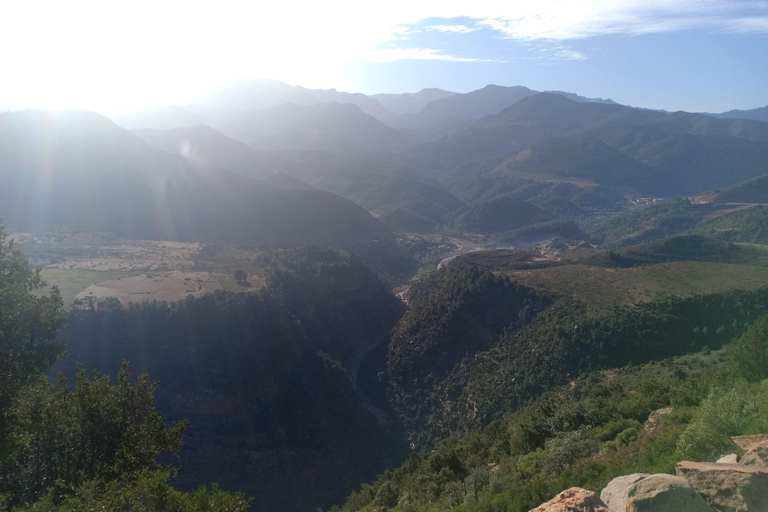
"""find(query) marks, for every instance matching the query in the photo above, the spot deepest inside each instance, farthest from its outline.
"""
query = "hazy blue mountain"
(756, 114)
(698, 124)
(261, 94)
(206, 145)
(323, 126)
(581, 99)
(460, 108)
(412, 102)
(164, 117)
(79, 170)
(580, 158)
(534, 118)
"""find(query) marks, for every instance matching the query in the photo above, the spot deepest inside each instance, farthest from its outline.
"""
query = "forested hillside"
(263, 378)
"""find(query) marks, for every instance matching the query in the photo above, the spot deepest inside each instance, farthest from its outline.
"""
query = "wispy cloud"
(393, 54)
(749, 25)
(561, 21)
(453, 29)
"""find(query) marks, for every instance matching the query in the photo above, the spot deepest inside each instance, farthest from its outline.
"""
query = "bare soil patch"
(166, 286)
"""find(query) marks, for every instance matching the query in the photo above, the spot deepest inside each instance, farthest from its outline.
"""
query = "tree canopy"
(90, 447)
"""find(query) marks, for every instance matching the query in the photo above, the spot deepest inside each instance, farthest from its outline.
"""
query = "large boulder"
(755, 450)
(574, 499)
(615, 493)
(728, 487)
(664, 493)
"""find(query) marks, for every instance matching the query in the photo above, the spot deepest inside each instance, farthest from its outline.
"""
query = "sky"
(107, 55)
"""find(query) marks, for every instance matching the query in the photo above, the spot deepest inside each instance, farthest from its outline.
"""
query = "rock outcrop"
(615, 493)
(664, 493)
(728, 487)
(574, 499)
(755, 450)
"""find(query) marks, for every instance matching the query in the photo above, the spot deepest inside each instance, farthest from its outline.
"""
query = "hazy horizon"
(671, 55)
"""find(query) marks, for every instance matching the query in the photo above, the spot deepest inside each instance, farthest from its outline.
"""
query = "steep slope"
(580, 158)
(476, 104)
(445, 114)
(697, 124)
(77, 169)
(534, 118)
(204, 144)
(397, 196)
(486, 334)
(502, 214)
(752, 191)
(262, 377)
(325, 126)
(691, 164)
(748, 225)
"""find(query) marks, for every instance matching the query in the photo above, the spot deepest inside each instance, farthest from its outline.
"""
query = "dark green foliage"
(60, 449)
(28, 325)
(752, 191)
(473, 347)
(261, 376)
(748, 354)
(142, 491)
(536, 232)
(749, 225)
(455, 313)
(502, 214)
(583, 434)
(646, 223)
(93, 432)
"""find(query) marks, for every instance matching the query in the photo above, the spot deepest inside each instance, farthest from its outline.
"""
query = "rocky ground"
(732, 484)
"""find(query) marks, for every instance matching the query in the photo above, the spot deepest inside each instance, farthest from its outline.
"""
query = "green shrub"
(748, 354)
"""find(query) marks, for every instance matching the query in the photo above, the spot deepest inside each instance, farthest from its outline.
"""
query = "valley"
(416, 303)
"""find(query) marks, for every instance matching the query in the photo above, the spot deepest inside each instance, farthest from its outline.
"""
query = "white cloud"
(454, 29)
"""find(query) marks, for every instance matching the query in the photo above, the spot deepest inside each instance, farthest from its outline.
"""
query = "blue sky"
(695, 55)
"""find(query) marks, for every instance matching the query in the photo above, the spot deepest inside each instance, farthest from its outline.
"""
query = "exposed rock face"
(615, 493)
(574, 499)
(664, 493)
(728, 487)
(728, 459)
(755, 450)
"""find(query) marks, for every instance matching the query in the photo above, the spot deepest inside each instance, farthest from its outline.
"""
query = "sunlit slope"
(79, 170)
(495, 329)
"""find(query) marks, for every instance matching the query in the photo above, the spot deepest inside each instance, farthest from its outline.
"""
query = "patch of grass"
(603, 288)
(75, 280)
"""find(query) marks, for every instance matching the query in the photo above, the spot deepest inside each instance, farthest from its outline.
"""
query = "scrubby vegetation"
(599, 426)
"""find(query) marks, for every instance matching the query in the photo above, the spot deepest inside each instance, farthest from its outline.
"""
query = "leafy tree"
(28, 326)
(89, 448)
(94, 432)
(141, 492)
